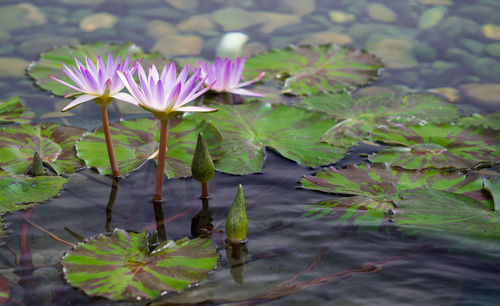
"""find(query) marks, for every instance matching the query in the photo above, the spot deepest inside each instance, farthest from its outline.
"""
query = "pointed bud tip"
(202, 166)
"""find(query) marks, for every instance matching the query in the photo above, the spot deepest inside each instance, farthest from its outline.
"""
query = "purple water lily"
(96, 82)
(101, 84)
(164, 95)
(228, 76)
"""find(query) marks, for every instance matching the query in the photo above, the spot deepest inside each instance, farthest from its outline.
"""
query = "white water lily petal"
(125, 97)
(81, 99)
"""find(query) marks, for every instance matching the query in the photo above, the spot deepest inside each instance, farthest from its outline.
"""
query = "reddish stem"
(161, 160)
(109, 144)
(204, 190)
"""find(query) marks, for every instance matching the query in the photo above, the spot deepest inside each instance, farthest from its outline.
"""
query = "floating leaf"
(19, 192)
(358, 117)
(54, 142)
(249, 128)
(309, 70)
(3, 233)
(486, 121)
(492, 184)
(119, 266)
(427, 209)
(50, 62)
(14, 111)
(437, 146)
(134, 141)
(374, 189)
(4, 290)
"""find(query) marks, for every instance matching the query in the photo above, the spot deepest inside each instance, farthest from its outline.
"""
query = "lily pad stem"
(161, 160)
(109, 144)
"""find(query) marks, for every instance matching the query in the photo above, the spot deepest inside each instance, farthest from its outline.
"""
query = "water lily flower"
(98, 82)
(165, 95)
(228, 76)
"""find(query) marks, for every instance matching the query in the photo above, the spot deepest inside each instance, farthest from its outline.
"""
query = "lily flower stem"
(109, 144)
(161, 160)
(204, 190)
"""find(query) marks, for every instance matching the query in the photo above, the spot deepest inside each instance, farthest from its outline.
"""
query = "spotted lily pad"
(50, 62)
(486, 121)
(54, 142)
(428, 209)
(437, 146)
(249, 128)
(4, 290)
(492, 184)
(374, 189)
(136, 140)
(358, 117)
(309, 70)
(14, 111)
(20, 192)
(120, 266)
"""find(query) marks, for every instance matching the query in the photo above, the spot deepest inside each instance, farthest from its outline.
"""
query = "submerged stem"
(109, 144)
(161, 160)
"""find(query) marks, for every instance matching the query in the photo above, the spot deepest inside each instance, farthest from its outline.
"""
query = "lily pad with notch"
(55, 143)
(309, 70)
(50, 61)
(20, 192)
(443, 146)
(250, 128)
(357, 118)
(13, 111)
(134, 141)
(120, 266)
(373, 189)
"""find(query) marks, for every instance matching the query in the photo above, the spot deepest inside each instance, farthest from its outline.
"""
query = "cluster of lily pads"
(419, 179)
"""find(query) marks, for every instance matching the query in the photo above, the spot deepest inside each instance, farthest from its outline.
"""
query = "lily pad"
(134, 141)
(14, 111)
(486, 121)
(20, 192)
(3, 233)
(493, 186)
(54, 142)
(427, 209)
(249, 128)
(359, 117)
(437, 146)
(4, 290)
(309, 70)
(119, 266)
(374, 190)
(50, 62)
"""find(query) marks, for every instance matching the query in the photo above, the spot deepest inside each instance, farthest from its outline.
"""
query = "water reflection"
(237, 255)
(201, 224)
(111, 202)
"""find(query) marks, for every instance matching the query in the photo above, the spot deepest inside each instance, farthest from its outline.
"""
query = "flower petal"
(245, 92)
(81, 99)
(196, 109)
(252, 81)
(125, 97)
(66, 84)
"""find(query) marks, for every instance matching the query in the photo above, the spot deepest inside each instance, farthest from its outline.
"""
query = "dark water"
(336, 266)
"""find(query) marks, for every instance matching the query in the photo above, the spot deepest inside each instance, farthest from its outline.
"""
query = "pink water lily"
(165, 95)
(98, 82)
(228, 76)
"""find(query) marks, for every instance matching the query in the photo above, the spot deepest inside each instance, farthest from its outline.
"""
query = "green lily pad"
(20, 192)
(50, 62)
(437, 146)
(492, 184)
(54, 142)
(358, 117)
(119, 266)
(374, 190)
(3, 233)
(4, 290)
(249, 128)
(486, 121)
(427, 209)
(309, 70)
(14, 111)
(136, 140)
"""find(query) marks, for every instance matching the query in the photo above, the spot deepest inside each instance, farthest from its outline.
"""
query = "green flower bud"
(37, 168)
(236, 222)
(202, 166)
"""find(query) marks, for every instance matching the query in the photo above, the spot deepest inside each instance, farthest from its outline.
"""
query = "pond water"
(445, 47)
